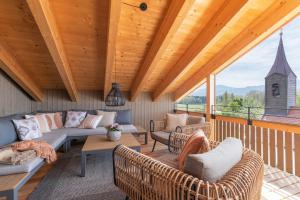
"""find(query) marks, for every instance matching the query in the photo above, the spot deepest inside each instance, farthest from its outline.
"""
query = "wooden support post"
(210, 101)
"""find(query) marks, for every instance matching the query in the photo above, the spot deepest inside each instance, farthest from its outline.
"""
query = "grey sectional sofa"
(56, 138)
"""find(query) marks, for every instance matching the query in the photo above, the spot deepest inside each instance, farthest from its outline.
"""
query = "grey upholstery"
(129, 128)
(15, 169)
(8, 133)
(161, 136)
(54, 139)
(213, 165)
(80, 132)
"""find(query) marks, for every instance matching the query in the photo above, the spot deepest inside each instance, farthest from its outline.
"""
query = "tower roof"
(281, 66)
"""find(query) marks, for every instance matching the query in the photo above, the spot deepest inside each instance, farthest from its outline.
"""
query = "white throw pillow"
(74, 119)
(108, 118)
(91, 121)
(174, 120)
(42, 120)
(27, 129)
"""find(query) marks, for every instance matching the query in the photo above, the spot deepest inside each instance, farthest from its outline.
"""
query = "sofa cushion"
(42, 121)
(128, 128)
(8, 132)
(124, 117)
(213, 165)
(80, 132)
(54, 139)
(174, 120)
(91, 121)
(74, 119)
(108, 118)
(15, 169)
(27, 129)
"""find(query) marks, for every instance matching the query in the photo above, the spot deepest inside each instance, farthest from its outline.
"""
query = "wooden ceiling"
(169, 48)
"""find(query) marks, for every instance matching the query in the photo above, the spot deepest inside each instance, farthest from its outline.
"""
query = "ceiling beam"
(173, 18)
(223, 15)
(46, 23)
(112, 29)
(10, 65)
(277, 15)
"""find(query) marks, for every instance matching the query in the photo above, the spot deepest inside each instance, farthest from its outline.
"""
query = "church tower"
(280, 85)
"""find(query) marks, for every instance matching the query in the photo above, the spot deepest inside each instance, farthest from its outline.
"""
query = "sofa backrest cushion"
(124, 117)
(213, 165)
(8, 132)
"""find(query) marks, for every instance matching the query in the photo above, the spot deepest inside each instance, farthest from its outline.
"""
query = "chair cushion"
(165, 157)
(161, 136)
(54, 139)
(124, 117)
(8, 132)
(129, 128)
(213, 165)
(197, 143)
(81, 132)
(15, 169)
(174, 120)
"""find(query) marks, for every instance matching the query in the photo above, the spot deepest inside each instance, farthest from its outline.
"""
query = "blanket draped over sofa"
(42, 149)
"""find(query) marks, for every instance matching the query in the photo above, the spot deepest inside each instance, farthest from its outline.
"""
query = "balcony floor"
(280, 185)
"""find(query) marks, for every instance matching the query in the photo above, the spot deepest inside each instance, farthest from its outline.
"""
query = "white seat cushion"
(128, 128)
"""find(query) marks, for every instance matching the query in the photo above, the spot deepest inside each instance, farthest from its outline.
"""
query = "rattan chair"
(159, 133)
(144, 178)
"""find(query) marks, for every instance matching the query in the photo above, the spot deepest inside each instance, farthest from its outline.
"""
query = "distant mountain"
(221, 89)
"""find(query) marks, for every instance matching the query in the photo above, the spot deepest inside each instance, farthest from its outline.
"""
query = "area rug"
(63, 181)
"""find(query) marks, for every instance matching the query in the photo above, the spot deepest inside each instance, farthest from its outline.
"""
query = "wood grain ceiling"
(82, 48)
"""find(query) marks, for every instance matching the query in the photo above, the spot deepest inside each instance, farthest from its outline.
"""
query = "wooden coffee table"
(98, 144)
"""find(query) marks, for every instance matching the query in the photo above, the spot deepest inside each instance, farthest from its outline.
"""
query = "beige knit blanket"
(8, 156)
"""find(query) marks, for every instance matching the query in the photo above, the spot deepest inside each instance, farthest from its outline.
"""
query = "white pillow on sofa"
(91, 121)
(74, 119)
(174, 120)
(108, 118)
(27, 129)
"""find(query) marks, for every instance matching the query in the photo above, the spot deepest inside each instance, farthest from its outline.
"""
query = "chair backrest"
(195, 120)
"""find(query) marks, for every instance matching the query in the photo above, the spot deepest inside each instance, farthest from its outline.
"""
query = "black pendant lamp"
(115, 96)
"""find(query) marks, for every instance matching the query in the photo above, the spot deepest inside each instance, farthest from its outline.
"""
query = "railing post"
(249, 120)
(187, 108)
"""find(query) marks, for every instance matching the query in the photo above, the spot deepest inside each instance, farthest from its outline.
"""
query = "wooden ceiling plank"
(45, 20)
(112, 29)
(10, 65)
(271, 20)
(173, 18)
(226, 12)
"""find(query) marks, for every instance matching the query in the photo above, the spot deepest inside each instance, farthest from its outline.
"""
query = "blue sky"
(251, 69)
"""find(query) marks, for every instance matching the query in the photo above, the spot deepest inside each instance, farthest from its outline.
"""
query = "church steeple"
(281, 65)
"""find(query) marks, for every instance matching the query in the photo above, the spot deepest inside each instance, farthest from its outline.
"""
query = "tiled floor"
(280, 185)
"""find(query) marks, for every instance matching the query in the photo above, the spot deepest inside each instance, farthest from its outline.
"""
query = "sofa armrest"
(156, 125)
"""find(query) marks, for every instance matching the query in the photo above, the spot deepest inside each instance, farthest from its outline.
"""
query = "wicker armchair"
(158, 129)
(144, 178)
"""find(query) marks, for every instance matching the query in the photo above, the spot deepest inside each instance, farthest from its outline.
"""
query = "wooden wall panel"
(289, 152)
(280, 146)
(272, 148)
(12, 99)
(143, 109)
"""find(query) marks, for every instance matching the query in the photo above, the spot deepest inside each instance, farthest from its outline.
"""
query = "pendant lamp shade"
(115, 97)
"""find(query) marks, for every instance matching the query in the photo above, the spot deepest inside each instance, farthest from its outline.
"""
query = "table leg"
(146, 138)
(83, 164)
(12, 195)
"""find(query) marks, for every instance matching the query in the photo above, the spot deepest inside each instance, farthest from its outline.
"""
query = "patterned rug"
(63, 181)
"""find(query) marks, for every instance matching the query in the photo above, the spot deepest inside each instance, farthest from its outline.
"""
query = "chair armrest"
(157, 125)
(177, 141)
(189, 129)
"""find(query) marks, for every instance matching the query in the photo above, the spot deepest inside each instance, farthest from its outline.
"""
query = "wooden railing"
(277, 143)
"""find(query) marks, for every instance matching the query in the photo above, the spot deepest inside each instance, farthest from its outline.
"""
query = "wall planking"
(12, 98)
(143, 109)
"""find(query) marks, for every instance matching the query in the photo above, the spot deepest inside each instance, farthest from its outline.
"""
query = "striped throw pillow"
(91, 121)
(42, 121)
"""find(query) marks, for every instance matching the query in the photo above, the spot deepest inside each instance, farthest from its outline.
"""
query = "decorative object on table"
(115, 96)
(114, 133)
